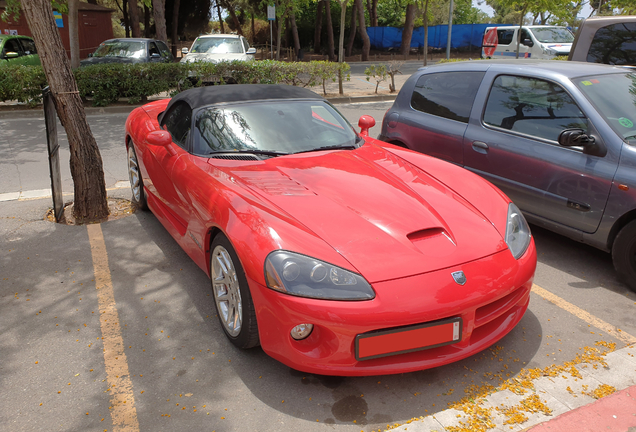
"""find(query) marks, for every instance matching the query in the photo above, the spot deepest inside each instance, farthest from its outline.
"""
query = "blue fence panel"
(463, 36)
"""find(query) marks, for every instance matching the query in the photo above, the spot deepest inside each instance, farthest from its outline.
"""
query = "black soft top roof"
(210, 95)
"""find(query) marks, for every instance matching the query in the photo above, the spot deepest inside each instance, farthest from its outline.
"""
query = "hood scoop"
(435, 242)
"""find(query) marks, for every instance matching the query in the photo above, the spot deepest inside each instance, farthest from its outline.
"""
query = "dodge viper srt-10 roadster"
(337, 253)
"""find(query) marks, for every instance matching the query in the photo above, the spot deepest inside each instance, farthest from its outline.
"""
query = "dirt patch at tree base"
(118, 208)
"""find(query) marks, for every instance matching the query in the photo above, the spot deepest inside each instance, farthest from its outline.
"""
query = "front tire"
(232, 297)
(624, 254)
(136, 183)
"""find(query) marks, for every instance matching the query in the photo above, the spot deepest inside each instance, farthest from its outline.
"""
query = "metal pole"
(450, 30)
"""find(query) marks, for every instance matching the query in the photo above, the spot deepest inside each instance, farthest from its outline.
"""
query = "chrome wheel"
(227, 293)
(133, 174)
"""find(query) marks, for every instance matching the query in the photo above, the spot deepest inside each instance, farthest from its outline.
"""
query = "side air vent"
(235, 156)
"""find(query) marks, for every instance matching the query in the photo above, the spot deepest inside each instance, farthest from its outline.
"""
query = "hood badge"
(459, 277)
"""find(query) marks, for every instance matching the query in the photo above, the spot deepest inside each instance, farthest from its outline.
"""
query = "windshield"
(614, 96)
(121, 49)
(553, 35)
(281, 127)
(217, 45)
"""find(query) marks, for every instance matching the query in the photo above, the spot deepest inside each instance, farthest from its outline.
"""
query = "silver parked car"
(219, 47)
(558, 137)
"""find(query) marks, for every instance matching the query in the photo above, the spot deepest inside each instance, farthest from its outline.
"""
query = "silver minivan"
(558, 137)
(537, 42)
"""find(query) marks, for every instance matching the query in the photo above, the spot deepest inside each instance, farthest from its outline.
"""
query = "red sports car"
(337, 253)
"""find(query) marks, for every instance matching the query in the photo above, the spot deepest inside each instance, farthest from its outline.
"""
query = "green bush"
(22, 83)
(107, 83)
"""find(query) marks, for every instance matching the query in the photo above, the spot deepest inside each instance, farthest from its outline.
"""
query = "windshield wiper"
(254, 151)
(333, 147)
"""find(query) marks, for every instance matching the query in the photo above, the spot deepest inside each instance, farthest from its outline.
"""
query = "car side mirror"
(90, 54)
(528, 42)
(365, 123)
(575, 138)
(12, 54)
(579, 138)
(184, 51)
(251, 51)
(159, 138)
(155, 55)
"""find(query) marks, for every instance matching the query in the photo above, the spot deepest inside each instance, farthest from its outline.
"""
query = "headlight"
(517, 232)
(304, 276)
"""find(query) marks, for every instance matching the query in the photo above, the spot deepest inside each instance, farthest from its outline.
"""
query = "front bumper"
(490, 304)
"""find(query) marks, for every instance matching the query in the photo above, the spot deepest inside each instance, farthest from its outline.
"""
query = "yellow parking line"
(123, 412)
(584, 315)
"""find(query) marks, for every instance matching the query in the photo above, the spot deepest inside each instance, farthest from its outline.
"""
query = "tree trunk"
(343, 16)
(366, 42)
(218, 11)
(134, 18)
(159, 12)
(331, 49)
(523, 13)
(352, 29)
(373, 16)
(294, 29)
(230, 9)
(425, 32)
(146, 21)
(318, 27)
(407, 33)
(279, 30)
(124, 12)
(91, 203)
(175, 24)
(73, 32)
(253, 38)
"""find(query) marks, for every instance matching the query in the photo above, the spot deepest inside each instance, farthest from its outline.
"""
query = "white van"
(537, 42)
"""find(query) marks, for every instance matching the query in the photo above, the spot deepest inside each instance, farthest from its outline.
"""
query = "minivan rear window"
(447, 94)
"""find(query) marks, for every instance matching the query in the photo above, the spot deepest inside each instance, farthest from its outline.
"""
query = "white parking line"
(46, 193)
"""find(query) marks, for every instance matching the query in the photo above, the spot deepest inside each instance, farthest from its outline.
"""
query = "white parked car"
(537, 42)
(219, 47)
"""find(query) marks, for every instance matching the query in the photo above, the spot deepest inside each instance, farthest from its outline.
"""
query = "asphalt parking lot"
(174, 368)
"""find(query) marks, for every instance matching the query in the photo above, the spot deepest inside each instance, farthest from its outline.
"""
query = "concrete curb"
(561, 394)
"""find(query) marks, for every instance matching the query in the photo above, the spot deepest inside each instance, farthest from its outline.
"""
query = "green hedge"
(107, 83)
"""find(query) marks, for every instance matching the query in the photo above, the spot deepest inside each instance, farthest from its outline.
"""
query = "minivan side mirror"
(251, 51)
(527, 42)
(184, 50)
(11, 54)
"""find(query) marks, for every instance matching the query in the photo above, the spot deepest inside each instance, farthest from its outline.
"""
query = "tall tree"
(407, 33)
(175, 26)
(425, 16)
(330, 45)
(159, 12)
(133, 11)
(90, 201)
(218, 11)
(352, 29)
(362, 28)
(318, 26)
(73, 32)
(343, 15)
(372, 10)
(294, 30)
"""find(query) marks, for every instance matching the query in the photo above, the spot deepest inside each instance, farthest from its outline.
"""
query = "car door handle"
(480, 147)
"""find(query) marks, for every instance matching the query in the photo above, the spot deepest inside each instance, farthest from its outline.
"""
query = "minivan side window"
(532, 106)
(504, 37)
(447, 94)
(614, 44)
(177, 122)
(29, 46)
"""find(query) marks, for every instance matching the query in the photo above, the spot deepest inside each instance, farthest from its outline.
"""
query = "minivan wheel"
(624, 254)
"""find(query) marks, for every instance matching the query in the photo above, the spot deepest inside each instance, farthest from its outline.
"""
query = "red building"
(95, 26)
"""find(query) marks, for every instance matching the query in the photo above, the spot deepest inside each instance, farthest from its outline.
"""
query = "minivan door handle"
(480, 147)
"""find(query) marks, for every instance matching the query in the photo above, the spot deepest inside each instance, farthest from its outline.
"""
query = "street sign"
(271, 13)
(490, 42)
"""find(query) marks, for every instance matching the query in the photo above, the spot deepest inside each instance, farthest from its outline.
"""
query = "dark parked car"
(558, 137)
(18, 50)
(132, 50)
